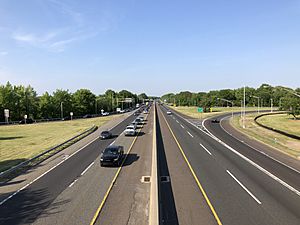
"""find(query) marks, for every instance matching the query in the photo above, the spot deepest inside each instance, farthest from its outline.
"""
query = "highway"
(71, 192)
(204, 177)
(240, 190)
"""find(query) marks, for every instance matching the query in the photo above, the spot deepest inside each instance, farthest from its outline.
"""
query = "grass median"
(283, 122)
(21, 142)
(282, 143)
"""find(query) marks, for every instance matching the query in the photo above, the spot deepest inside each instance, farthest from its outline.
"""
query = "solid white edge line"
(73, 182)
(297, 171)
(190, 134)
(52, 168)
(112, 142)
(83, 172)
(205, 148)
(249, 192)
(244, 157)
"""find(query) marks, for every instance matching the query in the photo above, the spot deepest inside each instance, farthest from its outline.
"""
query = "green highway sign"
(200, 109)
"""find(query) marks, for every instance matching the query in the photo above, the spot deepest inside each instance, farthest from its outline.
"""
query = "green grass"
(21, 142)
(280, 142)
(192, 111)
(282, 122)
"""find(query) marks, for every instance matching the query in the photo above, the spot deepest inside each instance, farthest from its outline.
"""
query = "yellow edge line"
(114, 179)
(194, 175)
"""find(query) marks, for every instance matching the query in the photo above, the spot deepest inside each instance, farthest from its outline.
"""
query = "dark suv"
(106, 134)
(112, 155)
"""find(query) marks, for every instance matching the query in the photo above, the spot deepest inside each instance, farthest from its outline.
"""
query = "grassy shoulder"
(280, 142)
(192, 111)
(21, 142)
(282, 122)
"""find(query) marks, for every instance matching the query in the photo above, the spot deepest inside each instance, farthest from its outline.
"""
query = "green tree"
(47, 107)
(62, 98)
(84, 102)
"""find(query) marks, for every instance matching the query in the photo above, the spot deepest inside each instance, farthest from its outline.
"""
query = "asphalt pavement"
(240, 191)
(40, 203)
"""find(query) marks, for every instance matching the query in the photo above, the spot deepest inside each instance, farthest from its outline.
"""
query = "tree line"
(23, 100)
(282, 97)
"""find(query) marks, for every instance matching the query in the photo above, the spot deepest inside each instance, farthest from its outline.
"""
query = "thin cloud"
(3, 53)
(34, 39)
(65, 9)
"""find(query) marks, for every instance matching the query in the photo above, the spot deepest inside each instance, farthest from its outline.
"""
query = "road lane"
(128, 200)
(27, 205)
(181, 200)
(232, 202)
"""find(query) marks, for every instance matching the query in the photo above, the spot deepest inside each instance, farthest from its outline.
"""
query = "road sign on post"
(71, 114)
(200, 109)
(25, 118)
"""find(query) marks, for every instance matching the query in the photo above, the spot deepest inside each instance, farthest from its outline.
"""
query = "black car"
(112, 155)
(27, 121)
(215, 121)
(106, 134)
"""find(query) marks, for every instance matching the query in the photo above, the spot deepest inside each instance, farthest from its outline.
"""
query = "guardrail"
(43, 156)
(274, 129)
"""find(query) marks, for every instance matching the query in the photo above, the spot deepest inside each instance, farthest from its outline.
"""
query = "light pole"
(292, 92)
(241, 108)
(61, 110)
(223, 99)
(244, 107)
(271, 104)
(95, 105)
(253, 96)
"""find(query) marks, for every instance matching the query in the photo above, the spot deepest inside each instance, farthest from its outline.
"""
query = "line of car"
(114, 154)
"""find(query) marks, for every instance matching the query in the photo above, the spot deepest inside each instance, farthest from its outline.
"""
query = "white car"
(141, 118)
(130, 130)
(105, 114)
(169, 112)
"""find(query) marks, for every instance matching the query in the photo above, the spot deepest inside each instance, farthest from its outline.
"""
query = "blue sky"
(152, 46)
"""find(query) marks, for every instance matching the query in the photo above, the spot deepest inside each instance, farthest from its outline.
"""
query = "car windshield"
(111, 151)
(105, 132)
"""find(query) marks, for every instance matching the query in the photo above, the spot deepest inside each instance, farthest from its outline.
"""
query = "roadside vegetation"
(283, 143)
(21, 142)
(213, 111)
(23, 100)
(283, 98)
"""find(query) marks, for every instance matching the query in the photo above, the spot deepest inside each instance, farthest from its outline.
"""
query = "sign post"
(71, 114)
(200, 110)
(6, 115)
